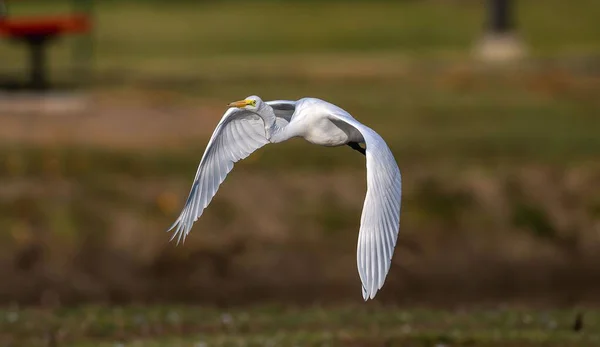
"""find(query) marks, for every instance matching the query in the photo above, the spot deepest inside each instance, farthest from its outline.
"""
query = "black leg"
(355, 146)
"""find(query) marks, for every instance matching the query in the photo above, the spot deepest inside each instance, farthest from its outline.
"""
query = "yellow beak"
(239, 104)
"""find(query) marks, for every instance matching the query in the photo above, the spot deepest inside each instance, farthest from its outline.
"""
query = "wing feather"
(238, 134)
(283, 109)
(380, 218)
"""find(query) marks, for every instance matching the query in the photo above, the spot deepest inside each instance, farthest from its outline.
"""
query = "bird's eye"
(253, 103)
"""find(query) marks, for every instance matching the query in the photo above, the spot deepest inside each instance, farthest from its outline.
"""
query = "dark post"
(500, 42)
(37, 47)
(500, 16)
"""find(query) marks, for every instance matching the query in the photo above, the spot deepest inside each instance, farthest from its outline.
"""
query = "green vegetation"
(400, 67)
(364, 325)
(192, 39)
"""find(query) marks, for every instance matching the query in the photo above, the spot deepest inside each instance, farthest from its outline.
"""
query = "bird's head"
(255, 104)
(251, 103)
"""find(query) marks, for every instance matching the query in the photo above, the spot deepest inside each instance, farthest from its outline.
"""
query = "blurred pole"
(500, 15)
(500, 42)
(38, 78)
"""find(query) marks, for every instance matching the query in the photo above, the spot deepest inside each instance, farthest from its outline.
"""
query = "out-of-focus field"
(274, 325)
(501, 163)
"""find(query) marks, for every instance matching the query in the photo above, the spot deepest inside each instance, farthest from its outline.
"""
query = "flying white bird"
(251, 123)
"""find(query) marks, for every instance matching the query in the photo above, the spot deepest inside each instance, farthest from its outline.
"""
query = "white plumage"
(251, 123)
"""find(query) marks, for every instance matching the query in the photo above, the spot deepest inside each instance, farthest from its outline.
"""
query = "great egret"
(251, 123)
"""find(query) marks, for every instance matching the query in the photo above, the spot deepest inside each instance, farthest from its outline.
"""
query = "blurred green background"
(500, 162)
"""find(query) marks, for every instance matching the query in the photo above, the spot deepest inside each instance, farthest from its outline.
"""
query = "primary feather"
(238, 134)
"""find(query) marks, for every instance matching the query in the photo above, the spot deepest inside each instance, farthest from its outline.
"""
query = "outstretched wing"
(380, 218)
(238, 134)
(283, 109)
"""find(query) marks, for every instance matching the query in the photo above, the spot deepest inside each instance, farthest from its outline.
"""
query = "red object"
(44, 26)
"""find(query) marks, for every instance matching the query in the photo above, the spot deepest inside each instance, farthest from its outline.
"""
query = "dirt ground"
(105, 120)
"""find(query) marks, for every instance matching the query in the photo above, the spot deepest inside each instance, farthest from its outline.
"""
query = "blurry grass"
(152, 36)
(447, 112)
(397, 66)
(364, 325)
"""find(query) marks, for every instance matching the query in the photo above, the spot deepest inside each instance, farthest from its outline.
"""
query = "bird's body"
(311, 122)
(252, 123)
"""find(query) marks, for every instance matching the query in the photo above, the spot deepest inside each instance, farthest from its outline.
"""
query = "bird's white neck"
(273, 131)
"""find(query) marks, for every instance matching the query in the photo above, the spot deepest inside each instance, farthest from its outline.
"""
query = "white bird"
(252, 123)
